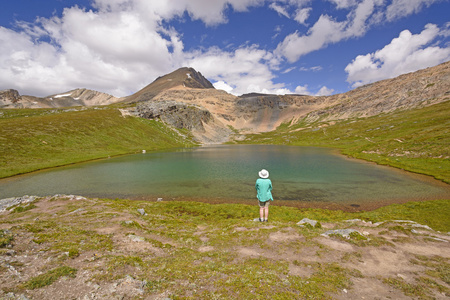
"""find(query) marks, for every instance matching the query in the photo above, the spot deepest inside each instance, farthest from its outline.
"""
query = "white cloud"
(222, 85)
(328, 31)
(117, 48)
(302, 90)
(324, 91)
(209, 12)
(288, 70)
(314, 69)
(246, 69)
(122, 45)
(301, 15)
(403, 8)
(404, 54)
(280, 10)
(344, 3)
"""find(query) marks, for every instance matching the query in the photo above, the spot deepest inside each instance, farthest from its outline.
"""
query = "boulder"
(308, 222)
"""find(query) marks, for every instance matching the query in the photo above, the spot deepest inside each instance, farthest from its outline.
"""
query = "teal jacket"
(264, 189)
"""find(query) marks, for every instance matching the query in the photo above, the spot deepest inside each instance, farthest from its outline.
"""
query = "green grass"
(432, 213)
(42, 138)
(70, 237)
(5, 238)
(49, 277)
(20, 208)
(415, 140)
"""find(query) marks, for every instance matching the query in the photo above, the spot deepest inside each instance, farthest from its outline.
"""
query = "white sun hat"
(263, 173)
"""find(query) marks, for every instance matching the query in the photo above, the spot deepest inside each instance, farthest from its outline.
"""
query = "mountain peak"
(183, 77)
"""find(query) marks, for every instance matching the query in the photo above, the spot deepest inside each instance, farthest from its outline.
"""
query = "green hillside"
(415, 140)
(33, 139)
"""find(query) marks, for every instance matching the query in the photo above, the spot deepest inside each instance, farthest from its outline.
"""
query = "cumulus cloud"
(118, 48)
(302, 90)
(246, 69)
(222, 85)
(406, 53)
(86, 49)
(324, 91)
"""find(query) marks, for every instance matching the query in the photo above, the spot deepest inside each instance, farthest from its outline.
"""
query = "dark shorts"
(264, 204)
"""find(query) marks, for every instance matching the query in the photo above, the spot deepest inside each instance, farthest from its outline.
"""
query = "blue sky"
(315, 47)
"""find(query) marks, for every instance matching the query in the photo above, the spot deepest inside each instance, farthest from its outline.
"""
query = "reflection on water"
(229, 172)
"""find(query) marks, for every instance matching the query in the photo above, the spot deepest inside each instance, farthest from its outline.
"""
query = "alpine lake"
(301, 176)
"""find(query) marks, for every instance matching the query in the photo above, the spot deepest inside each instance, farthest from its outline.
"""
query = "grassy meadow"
(415, 140)
(33, 139)
(193, 250)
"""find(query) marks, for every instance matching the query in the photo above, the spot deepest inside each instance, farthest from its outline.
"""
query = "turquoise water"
(229, 172)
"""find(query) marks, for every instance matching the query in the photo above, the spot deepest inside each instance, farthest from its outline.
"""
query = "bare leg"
(261, 213)
(267, 212)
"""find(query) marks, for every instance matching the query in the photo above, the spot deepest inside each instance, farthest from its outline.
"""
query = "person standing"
(264, 194)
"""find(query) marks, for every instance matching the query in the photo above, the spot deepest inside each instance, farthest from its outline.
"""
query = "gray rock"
(422, 226)
(439, 239)
(8, 202)
(142, 211)
(353, 220)
(177, 114)
(136, 238)
(305, 221)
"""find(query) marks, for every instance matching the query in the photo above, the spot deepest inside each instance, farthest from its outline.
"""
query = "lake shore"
(345, 207)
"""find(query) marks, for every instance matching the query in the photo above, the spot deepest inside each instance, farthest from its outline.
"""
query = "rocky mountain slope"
(78, 97)
(253, 113)
(185, 77)
(418, 89)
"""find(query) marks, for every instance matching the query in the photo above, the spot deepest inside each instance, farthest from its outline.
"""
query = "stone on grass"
(136, 238)
(305, 222)
(8, 202)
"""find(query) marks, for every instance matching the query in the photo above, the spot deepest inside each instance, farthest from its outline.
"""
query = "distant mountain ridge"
(78, 97)
(186, 99)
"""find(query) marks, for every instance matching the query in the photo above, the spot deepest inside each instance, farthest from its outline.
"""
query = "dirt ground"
(393, 260)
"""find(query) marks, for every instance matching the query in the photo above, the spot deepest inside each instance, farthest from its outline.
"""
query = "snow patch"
(188, 75)
(62, 95)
